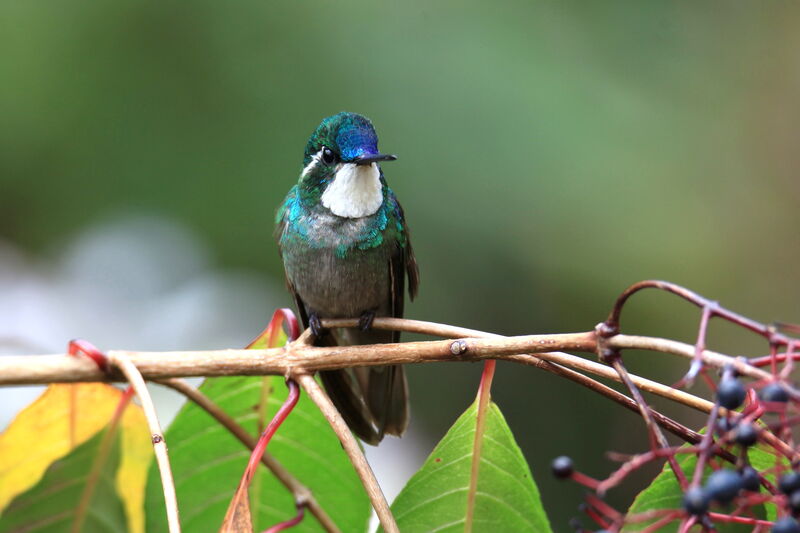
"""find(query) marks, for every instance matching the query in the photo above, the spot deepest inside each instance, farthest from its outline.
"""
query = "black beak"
(367, 159)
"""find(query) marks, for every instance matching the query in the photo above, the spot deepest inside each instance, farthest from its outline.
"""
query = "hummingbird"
(346, 251)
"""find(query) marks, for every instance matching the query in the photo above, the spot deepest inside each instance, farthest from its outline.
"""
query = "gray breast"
(335, 280)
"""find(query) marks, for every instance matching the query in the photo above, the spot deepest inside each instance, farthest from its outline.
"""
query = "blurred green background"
(550, 155)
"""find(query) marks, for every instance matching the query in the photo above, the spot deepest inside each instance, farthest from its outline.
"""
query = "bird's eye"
(328, 157)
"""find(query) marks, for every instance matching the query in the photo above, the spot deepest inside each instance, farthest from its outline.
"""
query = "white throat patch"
(355, 191)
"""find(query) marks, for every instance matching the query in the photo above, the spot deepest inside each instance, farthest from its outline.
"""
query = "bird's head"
(340, 165)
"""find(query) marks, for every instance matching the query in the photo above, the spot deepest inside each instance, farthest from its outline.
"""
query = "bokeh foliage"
(550, 154)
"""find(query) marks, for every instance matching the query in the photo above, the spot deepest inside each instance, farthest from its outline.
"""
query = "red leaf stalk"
(272, 427)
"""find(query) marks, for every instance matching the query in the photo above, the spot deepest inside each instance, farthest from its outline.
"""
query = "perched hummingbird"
(346, 251)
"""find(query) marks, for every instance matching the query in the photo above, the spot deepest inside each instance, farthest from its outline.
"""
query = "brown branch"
(302, 494)
(26, 370)
(607, 372)
(657, 436)
(710, 358)
(662, 420)
(157, 436)
(23, 370)
(612, 322)
(299, 357)
(353, 450)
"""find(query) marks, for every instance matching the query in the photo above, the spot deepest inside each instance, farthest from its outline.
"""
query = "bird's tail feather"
(387, 399)
(345, 393)
(373, 401)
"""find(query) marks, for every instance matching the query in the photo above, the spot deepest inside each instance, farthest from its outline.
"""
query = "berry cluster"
(743, 469)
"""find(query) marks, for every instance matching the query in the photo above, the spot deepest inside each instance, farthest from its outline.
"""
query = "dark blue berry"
(794, 502)
(787, 524)
(723, 485)
(774, 392)
(789, 482)
(695, 501)
(562, 467)
(746, 435)
(730, 393)
(750, 479)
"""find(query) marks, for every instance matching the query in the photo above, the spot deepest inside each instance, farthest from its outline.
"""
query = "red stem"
(272, 427)
(687, 524)
(599, 520)
(586, 481)
(486, 377)
(301, 510)
(658, 524)
(127, 394)
(699, 346)
(484, 396)
(280, 316)
(721, 517)
(77, 346)
(636, 462)
(789, 356)
(765, 331)
(705, 447)
(767, 359)
(603, 507)
(773, 359)
(710, 382)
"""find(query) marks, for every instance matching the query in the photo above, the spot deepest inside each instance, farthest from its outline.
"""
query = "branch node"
(608, 355)
(302, 497)
(605, 330)
(458, 347)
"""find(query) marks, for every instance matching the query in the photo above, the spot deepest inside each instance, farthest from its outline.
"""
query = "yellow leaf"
(63, 417)
(137, 452)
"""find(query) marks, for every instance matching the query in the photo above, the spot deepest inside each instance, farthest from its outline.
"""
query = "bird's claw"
(315, 324)
(365, 320)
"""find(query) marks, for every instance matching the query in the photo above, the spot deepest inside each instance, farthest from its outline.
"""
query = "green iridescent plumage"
(297, 221)
(346, 252)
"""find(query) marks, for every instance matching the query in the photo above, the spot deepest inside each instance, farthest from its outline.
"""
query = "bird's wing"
(411, 269)
(301, 307)
(280, 227)
(387, 388)
(401, 264)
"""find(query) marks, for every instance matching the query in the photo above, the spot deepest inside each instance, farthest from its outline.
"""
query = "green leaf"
(208, 462)
(53, 504)
(665, 493)
(766, 461)
(507, 499)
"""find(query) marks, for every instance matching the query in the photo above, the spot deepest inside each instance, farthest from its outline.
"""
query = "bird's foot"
(365, 320)
(315, 324)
